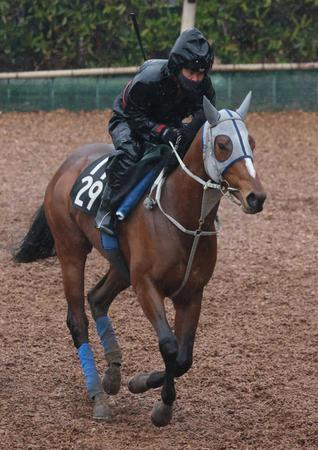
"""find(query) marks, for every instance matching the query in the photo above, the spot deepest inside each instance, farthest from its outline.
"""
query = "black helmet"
(191, 51)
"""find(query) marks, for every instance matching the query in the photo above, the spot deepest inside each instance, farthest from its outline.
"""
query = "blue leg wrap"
(105, 331)
(86, 357)
(108, 339)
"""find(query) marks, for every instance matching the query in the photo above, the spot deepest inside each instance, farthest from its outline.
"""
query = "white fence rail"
(131, 70)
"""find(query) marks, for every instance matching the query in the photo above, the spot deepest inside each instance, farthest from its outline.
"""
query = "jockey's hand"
(170, 135)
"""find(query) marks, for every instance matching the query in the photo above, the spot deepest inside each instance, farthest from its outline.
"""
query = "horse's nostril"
(255, 202)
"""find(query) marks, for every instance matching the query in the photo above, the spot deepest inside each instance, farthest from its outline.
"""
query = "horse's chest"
(199, 276)
(195, 271)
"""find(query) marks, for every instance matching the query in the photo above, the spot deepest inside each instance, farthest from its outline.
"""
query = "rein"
(209, 200)
(224, 187)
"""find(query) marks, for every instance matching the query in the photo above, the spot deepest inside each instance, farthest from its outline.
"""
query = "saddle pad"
(87, 189)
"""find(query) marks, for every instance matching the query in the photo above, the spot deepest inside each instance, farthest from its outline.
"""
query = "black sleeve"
(137, 108)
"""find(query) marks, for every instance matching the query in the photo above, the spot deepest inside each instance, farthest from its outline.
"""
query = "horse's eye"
(223, 148)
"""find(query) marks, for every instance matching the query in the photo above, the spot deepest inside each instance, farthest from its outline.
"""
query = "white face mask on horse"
(229, 124)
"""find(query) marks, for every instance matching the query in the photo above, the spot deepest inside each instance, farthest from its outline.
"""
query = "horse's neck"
(183, 194)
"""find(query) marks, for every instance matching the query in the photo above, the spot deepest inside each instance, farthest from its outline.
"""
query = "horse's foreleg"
(73, 280)
(100, 299)
(186, 321)
(152, 303)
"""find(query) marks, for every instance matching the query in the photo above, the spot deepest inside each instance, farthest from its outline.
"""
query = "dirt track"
(254, 382)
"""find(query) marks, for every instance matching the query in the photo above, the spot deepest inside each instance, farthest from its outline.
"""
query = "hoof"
(112, 380)
(161, 414)
(101, 410)
(138, 383)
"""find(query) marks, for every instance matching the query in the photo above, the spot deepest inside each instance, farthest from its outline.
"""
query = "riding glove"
(170, 135)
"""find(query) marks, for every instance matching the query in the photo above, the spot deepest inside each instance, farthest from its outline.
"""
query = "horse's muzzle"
(255, 202)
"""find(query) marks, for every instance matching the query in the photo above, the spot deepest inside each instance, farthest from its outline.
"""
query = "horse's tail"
(38, 243)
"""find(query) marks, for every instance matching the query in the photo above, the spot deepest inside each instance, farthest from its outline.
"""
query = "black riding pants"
(129, 153)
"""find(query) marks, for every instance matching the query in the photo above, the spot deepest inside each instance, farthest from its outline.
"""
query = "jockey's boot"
(105, 218)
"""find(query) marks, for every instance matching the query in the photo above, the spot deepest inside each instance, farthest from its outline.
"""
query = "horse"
(170, 251)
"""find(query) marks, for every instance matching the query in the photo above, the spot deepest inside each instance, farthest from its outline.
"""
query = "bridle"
(222, 189)
(223, 186)
(212, 193)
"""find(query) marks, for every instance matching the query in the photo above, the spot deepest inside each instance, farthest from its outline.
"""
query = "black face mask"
(188, 85)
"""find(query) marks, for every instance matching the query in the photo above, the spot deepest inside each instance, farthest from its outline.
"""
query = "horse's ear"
(243, 109)
(211, 113)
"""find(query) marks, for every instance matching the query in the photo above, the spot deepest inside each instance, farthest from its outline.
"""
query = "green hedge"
(57, 34)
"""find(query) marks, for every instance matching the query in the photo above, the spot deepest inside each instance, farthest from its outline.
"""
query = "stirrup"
(107, 224)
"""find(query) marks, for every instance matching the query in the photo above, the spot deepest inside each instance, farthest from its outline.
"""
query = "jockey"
(151, 108)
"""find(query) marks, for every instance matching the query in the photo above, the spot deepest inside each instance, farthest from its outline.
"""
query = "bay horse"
(170, 251)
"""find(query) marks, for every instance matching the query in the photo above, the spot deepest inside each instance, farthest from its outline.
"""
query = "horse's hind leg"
(73, 265)
(100, 298)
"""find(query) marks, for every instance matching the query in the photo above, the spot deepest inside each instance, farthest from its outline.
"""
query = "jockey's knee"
(169, 348)
(132, 152)
(122, 163)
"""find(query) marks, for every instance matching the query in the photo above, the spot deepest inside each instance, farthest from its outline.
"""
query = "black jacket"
(154, 100)
(154, 97)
